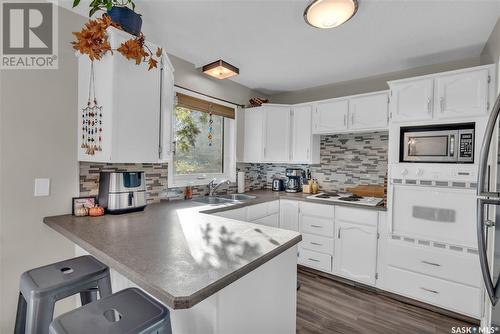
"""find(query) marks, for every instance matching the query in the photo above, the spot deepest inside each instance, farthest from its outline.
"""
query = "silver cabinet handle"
(314, 260)
(317, 226)
(315, 243)
(431, 263)
(429, 110)
(345, 120)
(429, 290)
(443, 103)
(338, 233)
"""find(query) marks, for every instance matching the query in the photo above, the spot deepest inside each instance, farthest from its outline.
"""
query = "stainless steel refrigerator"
(488, 218)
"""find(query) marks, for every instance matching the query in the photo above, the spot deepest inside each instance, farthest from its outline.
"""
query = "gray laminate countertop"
(173, 251)
(268, 195)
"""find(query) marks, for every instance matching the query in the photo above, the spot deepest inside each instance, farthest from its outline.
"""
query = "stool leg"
(104, 285)
(39, 315)
(20, 315)
(88, 296)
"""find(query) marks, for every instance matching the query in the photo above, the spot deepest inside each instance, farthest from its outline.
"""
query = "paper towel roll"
(241, 182)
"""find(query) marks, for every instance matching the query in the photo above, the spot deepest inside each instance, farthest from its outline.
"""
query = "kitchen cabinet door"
(412, 100)
(301, 119)
(253, 143)
(289, 215)
(330, 116)
(122, 89)
(356, 252)
(277, 134)
(272, 220)
(369, 112)
(462, 94)
(238, 214)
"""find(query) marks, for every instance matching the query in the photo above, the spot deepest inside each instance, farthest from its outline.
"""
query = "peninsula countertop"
(173, 250)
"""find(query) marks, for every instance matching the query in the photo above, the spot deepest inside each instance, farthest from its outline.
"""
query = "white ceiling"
(277, 51)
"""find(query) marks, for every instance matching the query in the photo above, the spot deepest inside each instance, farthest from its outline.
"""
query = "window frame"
(229, 152)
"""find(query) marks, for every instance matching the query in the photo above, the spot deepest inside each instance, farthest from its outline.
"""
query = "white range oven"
(434, 203)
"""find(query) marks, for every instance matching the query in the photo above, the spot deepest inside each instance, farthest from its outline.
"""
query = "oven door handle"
(452, 145)
(491, 289)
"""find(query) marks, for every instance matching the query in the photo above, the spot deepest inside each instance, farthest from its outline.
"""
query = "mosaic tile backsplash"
(346, 160)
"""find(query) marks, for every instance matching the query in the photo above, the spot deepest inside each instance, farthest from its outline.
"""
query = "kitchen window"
(203, 139)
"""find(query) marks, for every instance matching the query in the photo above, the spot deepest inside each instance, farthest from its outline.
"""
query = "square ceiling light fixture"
(220, 69)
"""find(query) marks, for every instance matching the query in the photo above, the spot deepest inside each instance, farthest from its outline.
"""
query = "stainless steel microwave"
(450, 143)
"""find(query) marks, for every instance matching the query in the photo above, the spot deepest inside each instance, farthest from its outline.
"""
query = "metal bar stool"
(41, 287)
(128, 311)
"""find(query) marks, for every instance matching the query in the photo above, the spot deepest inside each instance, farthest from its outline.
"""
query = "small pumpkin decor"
(81, 211)
(93, 39)
(96, 211)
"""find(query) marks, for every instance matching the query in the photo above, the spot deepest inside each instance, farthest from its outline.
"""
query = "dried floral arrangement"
(93, 41)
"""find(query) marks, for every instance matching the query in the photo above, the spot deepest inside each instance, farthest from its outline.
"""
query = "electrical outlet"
(42, 187)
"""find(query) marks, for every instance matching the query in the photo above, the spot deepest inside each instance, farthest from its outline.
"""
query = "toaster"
(122, 192)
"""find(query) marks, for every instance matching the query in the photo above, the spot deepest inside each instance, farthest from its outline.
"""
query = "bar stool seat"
(128, 311)
(41, 287)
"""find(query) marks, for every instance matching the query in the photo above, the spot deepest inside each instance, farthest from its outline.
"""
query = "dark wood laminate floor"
(327, 306)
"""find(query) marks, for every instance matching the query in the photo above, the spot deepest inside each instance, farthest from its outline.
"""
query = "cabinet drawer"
(257, 211)
(462, 268)
(319, 210)
(317, 243)
(453, 296)
(315, 260)
(273, 207)
(361, 216)
(316, 225)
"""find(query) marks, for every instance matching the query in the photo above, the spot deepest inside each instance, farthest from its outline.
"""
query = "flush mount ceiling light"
(220, 69)
(326, 14)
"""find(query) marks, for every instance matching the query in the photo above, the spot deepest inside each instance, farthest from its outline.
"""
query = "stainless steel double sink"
(234, 198)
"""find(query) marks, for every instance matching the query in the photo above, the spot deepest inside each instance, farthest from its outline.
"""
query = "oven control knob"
(404, 171)
(419, 172)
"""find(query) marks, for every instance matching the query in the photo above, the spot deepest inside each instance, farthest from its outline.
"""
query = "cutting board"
(367, 190)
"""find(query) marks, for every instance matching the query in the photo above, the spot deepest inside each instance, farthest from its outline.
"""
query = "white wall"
(37, 139)
(366, 85)
(491, 51)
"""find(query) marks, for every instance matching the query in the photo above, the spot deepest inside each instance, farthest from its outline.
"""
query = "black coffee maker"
(294, 180)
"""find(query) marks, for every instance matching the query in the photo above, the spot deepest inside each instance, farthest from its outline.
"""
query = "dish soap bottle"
(314, 187)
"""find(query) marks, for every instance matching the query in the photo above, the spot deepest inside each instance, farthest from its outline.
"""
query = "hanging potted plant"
(93, 39)
(121, 12)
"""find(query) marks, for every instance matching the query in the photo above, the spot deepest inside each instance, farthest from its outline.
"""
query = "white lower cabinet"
(356, 251)
(289, 215)
(272, 220)
(315, 260)
(443, 293)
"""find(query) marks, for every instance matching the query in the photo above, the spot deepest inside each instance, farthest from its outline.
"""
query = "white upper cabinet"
(277, 134)
(443, 96)
(356, 252)
(134, 100)
(253, 147)
(462, 94)
(365, 112)
(369, 111)
(412, 101)
(331, 116)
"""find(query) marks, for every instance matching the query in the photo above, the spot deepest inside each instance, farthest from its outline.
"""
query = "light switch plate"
(42, 187)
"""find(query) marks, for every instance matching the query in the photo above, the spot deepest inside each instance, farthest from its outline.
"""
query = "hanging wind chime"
(92, 120)
(210, 125)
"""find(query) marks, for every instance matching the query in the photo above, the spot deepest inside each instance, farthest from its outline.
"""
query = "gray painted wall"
(38, 122)
(366, 85)
(491, 51)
